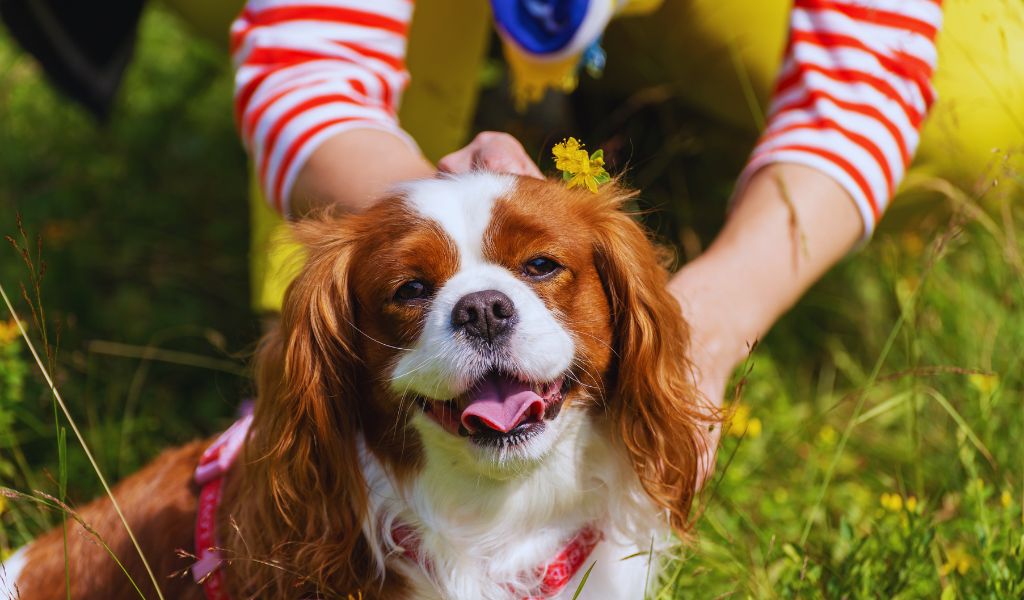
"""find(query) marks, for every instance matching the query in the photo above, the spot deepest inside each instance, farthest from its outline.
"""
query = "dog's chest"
(469, 549)
(619, 571)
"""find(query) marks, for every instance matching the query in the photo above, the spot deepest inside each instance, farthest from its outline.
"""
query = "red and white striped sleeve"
(854, 88)
(306, 70)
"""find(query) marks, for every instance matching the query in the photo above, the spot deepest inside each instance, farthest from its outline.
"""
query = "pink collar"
(555, 574)
(217, 460)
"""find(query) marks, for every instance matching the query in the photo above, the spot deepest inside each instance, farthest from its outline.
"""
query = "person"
(319, 82)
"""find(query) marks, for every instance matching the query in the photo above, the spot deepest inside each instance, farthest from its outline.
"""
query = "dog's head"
(481, 316)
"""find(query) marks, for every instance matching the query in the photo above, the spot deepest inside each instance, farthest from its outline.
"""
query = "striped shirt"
(854, 87)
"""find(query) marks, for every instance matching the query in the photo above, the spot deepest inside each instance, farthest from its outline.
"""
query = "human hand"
(491, 151)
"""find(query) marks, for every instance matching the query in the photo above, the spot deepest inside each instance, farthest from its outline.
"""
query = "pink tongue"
(500, 403)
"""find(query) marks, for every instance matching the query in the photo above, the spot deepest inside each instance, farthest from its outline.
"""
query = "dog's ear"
(302, 487)
(654, 403)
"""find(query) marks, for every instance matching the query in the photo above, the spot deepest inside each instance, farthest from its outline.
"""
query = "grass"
(876, 451)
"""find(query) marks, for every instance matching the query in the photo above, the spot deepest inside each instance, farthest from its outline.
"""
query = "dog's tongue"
(500, 403)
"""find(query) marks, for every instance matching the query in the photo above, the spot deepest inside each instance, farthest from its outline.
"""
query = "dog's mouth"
(500, 410)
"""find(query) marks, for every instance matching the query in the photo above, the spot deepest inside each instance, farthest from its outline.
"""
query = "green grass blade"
(583, 581)
(81, 440)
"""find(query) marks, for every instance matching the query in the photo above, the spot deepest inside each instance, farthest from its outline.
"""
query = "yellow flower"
(986, 383)
(892, 502)
(957, 559)
(1006, 499)
(912, 504)
(827, 435)
(8, 332)
(741, 424)
(579, 168)
(569, 155)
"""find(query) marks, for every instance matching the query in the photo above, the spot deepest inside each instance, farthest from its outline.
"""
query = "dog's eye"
(411, 290)
(540, 267)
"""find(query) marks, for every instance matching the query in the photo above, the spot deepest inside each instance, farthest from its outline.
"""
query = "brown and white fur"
(362, 387)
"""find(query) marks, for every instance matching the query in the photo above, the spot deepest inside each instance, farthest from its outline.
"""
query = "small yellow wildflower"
(957, 559)
(1006, 499)
(986, 383)
(827, 435)
(742, 424)
(912, 504)
(8, 332)
(891, 502)
(578, 167)
(569, 155)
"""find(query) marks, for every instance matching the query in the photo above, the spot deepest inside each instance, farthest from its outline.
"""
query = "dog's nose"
(486, 315)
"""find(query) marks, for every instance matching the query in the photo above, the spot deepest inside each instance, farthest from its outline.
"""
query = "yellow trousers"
(721, 57)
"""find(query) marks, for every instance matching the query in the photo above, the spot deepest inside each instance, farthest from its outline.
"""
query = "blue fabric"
(594, 59)
(540, 26)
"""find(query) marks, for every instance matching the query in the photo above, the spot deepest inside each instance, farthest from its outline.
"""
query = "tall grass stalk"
(48, 501)
(81, 440)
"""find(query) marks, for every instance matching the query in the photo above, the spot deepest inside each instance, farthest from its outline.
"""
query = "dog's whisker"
(604, 343)
(373, 339)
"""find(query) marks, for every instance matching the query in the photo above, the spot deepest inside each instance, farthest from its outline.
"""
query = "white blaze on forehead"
(10, 569)
(461, 205)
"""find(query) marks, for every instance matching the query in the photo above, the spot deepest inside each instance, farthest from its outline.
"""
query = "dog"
(478, 389)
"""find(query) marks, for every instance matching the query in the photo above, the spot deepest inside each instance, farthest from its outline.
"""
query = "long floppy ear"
(301, 496)
(655, 401)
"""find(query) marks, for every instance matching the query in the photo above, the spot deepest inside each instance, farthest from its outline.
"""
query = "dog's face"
(484, 313)
(478, 320)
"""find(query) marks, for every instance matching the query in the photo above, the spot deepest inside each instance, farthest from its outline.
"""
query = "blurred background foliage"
(875, 449)
(143, 223)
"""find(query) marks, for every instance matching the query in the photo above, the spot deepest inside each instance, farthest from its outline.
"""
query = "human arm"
(790, 224)
(316, 94)
(853, 90)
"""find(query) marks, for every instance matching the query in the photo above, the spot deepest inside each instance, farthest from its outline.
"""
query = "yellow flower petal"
(578, 167)
(957, 559)
(891, 502)
(8, 332)
(738, 421)
(984, 383)
(827, 435)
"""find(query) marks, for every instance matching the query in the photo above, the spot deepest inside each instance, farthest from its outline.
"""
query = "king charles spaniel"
(478, 390)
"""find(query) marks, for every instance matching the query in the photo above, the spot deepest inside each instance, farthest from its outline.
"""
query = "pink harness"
(217, 460)
(213, 465)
